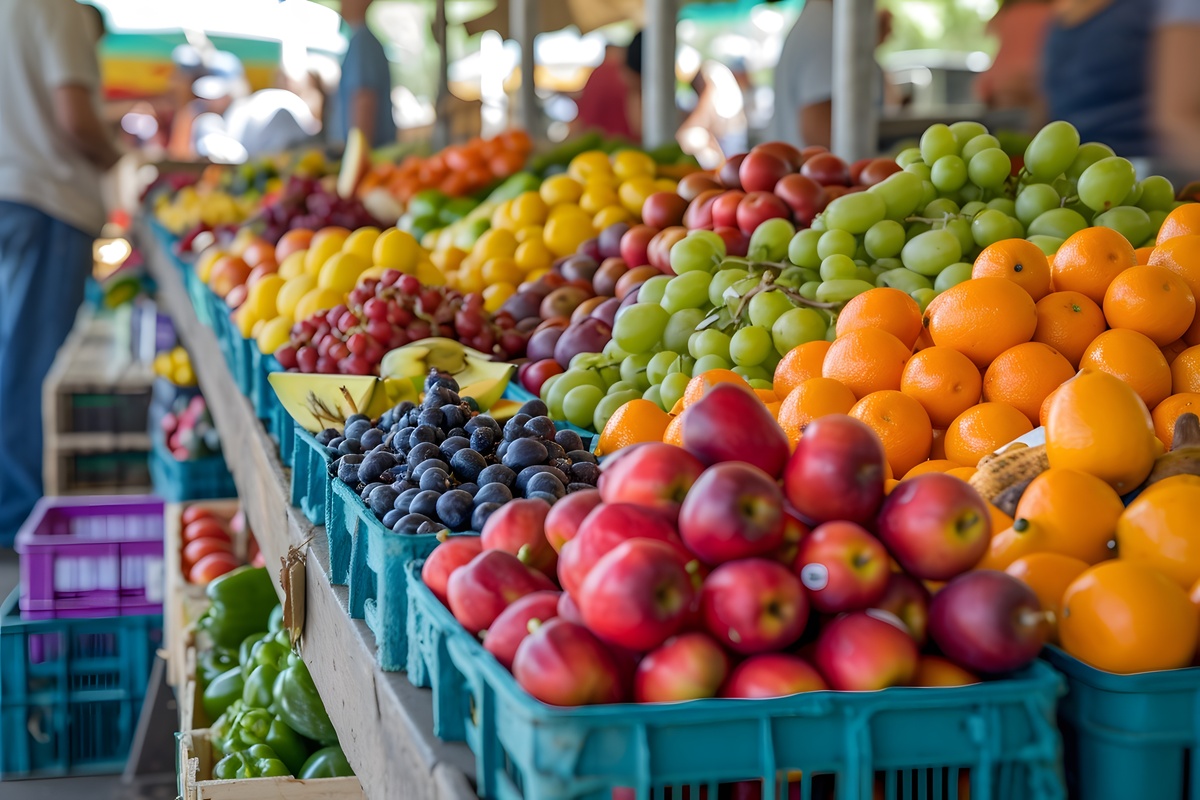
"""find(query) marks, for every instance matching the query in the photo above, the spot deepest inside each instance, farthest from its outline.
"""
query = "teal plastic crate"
(430, 627)
(899, 744)
(262, 396)
(178, 481)
(311, 488)
(71, 691)
(283, 429)
(1127, 736)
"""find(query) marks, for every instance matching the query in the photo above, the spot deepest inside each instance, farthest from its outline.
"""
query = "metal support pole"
(523, 25)
(441, 123)
(658, 73)
(855, 113)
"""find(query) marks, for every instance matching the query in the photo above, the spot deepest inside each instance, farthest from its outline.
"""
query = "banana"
(317, 402)
(1015, 465)
(1184, 456)
(477, 375)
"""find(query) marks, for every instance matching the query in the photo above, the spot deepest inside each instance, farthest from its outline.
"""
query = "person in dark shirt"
(364, 95)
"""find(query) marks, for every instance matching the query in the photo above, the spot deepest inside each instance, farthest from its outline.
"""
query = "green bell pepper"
(222, 691)
(328, 762)
(259, 689)
(246, 650)
(259, 761)
(218, 731)
(212, 663)
(241, 603)
(258, 726)
(299, 705)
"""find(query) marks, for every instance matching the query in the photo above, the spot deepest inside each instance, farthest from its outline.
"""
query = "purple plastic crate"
(92, 557)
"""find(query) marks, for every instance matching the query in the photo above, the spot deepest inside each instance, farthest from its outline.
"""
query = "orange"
(1125, 617)
(1181, 255)
(983, 429)
(1180, 222)
(1068, 322)
(938, 671)
(962, 473)
(1133, 358)
(816, 397)
(800, 364)
(1185, 371)
(633, 423)
(936, 465)
(1150, 300)
(1000, 520)
(1089, 260)
(884, 308)
(869, 360)
(1159, 529)
(1071, 512)
(1173, 350)
(1018, 261)
(1007, 545)
(889, 484)
(1097, 424)
(1142, 254)
(981, 318)
(766, 395)
(1024, 376)
(1166, 412)
(1049, 575)
(674, 432)
(902, 426)
(943, 381)
(698, 386)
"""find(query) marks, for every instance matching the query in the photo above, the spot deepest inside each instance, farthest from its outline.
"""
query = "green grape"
(753, 373)
(568, 382)
(633, 370)
(970, 193)
(809, 290)
(835, 242)
(978, 144)
(1157, 194)
(916, 229)
(931, 252)
(961, 228)
(672, 388)
(759, 383)
(884, 239)
(608, 406)
(1105, 184)
(770, 240)
(692, 253)
(923, 297)
(966, 131)
(901, 193)
(855, 212)
(937, 142)
(802, 250)
(613, 351)
(878, 269)
(929, 193)
(839, 291)
(709, 342)
(1061, 223)
(733, 295)
(1157, 218)
(579, 405)
(610, 374)
(792, 277)
(818, 223)
(681, 325)
(622, 386)
(1017, 229)
(660, 364)
(949, 173)
(866, 274)
(654, 395)
(1131, 222)
(713, 238)
(1088, 154)
(795, 327)
(766, 307)
(547, 385)
(921, 170)
(689, 290)
(722, 280)
(951, 276)
(640, 327)
(708, 363)
(1052, 151)
(1135, 194)
(831, 334)
(940, 208)
(969, 210)
(989, 227)
(910, 155)
(885, 264)
(652, 289)
(750, 346)
(1047, 244)
(838, 266)
(1033, 201)
(989, 168)
(1003, 205)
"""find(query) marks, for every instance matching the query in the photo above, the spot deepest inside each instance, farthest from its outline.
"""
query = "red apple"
(826, 169)
(562, 523)
(519, 527)
(724, 208)
(534, 373)
(813, 150)
(605, 527)
(654, 475)
(938, 671)
(936, 525)
(659, 249)
(866, 650)
(988, 621)
(794, 531)
(732, 424)
(664, 209)
(699, 211)
(857, 167)
(689, 666)
(638, 595)
(760, 170)
(634, 244)
(733, 511)
(836, 471)
(754, 606)
(877, 171)
(758, 207)
(516, 622)
(729, 173)
(736, 242)
(773, 675)
(455, 552)
(908, 599)
(843, 567)
(783, 150)
(804, 196)
(564, 664)
(568, 609)
(695, 184)
(494, 579)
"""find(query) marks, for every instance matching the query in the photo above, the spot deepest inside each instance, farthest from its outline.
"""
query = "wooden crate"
(190, 699)
(195, 761)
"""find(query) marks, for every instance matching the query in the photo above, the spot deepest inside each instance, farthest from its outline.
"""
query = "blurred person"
(611, 100)
(53, 149)
(364, 95)
(1013, 80)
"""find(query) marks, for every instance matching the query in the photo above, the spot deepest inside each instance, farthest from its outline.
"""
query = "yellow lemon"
(291, 292)
(633, 193)
(611, 216)
(316, 301)
(262, 296)
(529, 232)
(245, 321)
(502, 270)
(568, 227)
(629, 164)
(597, 196)
(180, 357)
(584, 165)
(495, 243)
(559, 189)
(429, 274)
(470, 279)
(666, 184)
(274, 334)
(533, 254)
(293, 265)
(341, 272)
(396, 249)
(495, 295)
(448, 260)
(319, 253)
(528, 208)
(362, 242)
(205, 263)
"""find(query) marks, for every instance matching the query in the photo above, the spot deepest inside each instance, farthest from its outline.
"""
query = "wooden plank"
(196, 760)
(384, 723)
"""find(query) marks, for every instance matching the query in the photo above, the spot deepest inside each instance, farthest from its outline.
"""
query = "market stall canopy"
(554, 15)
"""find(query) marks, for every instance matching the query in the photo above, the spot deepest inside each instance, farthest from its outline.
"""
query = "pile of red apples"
(732, 567)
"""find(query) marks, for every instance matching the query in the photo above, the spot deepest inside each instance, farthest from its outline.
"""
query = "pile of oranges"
(456, 171)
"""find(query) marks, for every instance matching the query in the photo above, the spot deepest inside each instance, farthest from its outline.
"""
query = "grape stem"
(767, 284)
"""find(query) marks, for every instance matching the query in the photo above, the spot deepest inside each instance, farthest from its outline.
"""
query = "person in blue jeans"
(364, 95)
(53, 150)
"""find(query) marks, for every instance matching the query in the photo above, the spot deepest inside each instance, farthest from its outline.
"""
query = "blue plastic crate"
(198, 293)
(514, 391)
(284, 429)
(178, 481)
(1129, 736)
(311, 488)
(262, 396)
(900, 743)
(430, 627)
(71, 691)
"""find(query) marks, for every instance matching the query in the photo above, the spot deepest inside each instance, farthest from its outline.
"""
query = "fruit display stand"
(384, 724)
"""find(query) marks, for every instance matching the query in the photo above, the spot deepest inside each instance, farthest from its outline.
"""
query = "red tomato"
(212, 566)
(207, 528)
(193, 513)
(197, 549)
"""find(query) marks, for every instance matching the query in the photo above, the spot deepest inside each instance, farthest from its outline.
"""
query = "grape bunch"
(308, 203)
(381, 315)
(442, 465)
